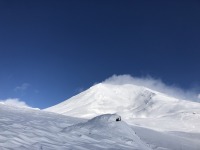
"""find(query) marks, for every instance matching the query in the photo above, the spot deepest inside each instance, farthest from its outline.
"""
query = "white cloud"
(79, 90)
(22, 87)
(14, 102)
(154, 84)
(198, 96)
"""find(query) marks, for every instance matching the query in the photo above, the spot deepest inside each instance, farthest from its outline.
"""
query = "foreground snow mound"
(28, 129)
(129, 101)
(111, 127)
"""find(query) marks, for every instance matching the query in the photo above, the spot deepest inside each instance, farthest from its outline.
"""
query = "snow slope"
(29, 129)
(128, 100)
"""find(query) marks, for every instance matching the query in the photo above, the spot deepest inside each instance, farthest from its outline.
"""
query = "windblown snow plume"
(154, 84)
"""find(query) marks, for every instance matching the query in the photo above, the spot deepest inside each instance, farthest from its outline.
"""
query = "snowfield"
(106, 116)
(26, 129)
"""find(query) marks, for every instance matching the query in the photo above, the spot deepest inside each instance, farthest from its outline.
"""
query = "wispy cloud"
(79, 90)
(198, 96)
(14, 102)
(155, 84)
(22, 87)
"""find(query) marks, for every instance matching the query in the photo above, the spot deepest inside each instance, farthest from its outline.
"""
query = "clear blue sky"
(51, 50)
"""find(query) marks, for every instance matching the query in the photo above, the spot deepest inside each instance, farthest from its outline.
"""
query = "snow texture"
(27, 129)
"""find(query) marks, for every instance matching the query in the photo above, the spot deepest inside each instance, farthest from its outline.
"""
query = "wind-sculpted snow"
(106, 129)
(28, 129)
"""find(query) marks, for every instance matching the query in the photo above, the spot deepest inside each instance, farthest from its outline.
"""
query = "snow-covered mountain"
(106, 116)
(128, 100)
(165, 122)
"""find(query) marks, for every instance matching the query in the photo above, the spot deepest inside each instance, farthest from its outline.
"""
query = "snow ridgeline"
(27, 129)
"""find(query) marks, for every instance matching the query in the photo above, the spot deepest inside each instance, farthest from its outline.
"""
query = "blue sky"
(52, 50)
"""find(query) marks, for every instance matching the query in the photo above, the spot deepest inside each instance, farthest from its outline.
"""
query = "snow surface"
(130, 101)
(28, 129)
(88, 121)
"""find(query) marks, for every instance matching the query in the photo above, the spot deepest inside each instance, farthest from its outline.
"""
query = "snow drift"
(109, 127)
(28, 129)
